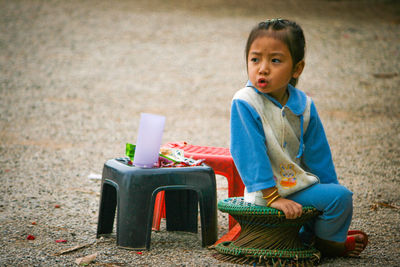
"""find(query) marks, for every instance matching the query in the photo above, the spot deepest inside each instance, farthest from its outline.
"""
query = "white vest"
(283, 132)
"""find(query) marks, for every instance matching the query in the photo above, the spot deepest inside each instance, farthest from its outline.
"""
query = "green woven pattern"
(230, 248)
(266, 236)
(237, 206)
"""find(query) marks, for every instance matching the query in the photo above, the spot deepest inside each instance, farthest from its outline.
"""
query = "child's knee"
(339, 199)
(345, 195)
(344, 199)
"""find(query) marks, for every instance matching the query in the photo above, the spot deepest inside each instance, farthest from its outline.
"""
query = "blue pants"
(335, 201)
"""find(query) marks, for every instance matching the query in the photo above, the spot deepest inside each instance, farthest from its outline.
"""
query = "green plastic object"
(130, 151)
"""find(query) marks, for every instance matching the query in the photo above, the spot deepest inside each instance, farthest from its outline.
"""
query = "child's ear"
(298, 69)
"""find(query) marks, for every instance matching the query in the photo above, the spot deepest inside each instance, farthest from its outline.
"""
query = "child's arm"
(248, 148)
(317, 156)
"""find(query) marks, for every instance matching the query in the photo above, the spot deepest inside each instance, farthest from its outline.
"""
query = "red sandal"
(350, 243)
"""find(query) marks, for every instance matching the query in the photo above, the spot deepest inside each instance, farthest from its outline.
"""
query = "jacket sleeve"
(317, 157)
(248, 147)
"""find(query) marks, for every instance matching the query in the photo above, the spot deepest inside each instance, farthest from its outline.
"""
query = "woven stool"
(267, 237)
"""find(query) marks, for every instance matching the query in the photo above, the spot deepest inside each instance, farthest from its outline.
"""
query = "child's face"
(270, 66)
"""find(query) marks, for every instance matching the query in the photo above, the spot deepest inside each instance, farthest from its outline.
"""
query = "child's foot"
(355, 243)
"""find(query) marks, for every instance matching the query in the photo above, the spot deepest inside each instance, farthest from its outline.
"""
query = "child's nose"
(264, 68)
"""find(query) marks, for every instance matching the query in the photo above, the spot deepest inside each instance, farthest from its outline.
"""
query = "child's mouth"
(262, 82)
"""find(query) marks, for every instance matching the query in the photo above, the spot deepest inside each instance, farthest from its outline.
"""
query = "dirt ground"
(75, 76)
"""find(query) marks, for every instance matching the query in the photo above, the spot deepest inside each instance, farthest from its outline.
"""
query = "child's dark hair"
(287, 31)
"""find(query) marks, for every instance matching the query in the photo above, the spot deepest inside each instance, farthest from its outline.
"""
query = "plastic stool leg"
(159, 210)
(108, 203)
(209, 218)
(236, 188)
(232, 235)
(134, 221)
(163, 213)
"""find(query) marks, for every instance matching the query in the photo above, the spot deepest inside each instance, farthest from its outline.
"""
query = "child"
(279, 145)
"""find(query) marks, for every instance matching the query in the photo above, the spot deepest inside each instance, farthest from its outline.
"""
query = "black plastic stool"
(133, 191)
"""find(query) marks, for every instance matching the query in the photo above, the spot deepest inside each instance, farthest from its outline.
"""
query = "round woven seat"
(266, 237)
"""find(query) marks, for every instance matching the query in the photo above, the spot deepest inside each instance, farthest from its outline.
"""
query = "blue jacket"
(249, 150)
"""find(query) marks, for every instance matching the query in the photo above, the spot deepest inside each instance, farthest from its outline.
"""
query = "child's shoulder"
(297, 92)
(245, 93)
(299, 100)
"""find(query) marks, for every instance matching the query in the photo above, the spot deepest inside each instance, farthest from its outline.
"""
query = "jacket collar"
(296, 103)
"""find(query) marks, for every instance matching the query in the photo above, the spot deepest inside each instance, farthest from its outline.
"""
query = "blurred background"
(75, 76)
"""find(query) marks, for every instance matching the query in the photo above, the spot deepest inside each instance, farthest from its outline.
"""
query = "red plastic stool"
(220, 160)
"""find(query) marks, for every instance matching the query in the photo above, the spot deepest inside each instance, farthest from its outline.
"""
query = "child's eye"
(276, 60)
(255, 60)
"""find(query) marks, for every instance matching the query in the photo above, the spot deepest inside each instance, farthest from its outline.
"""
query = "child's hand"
(291, 209)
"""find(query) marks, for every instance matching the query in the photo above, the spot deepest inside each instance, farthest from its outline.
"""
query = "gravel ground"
(75, 76)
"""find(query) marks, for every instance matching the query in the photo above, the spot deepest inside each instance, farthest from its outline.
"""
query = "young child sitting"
(279, 145)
